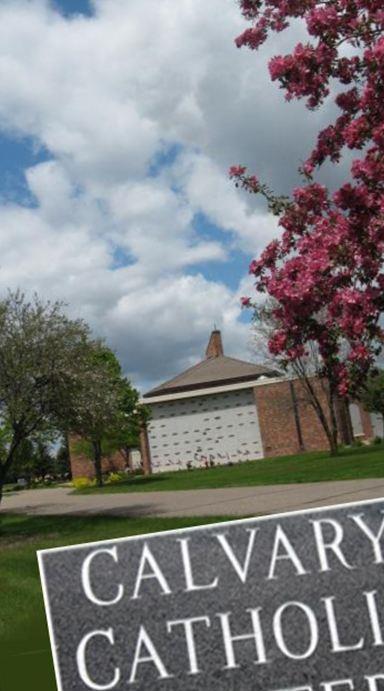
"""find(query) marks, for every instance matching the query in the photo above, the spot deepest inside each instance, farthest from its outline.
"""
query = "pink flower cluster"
(249, 182)
(326, 272)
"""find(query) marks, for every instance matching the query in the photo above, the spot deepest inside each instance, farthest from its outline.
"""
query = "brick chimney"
(215, 345)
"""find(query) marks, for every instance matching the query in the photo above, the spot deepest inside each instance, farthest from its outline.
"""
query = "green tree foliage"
(33, 460)
(42, 357)
(63, 459)
(107, 414)
(372, 396)
(96, 406)
(23, 462)
(43, 460)
(133, 416)
(54, 379)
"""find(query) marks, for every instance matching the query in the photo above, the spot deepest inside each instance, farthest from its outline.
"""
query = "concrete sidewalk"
(234, 501)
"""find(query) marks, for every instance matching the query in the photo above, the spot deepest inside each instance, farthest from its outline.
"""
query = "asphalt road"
(233, 501)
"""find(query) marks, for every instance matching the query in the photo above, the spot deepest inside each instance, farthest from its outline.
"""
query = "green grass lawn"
(350, 464)
(25, 655)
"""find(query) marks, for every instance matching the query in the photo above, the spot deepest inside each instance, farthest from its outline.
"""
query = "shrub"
(83, 482)
(114, 478)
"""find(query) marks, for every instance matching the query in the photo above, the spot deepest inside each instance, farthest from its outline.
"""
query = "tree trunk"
(296, 415)
(343, 421)
(126, 453)
(97, 461)
(4, 467)
(68, 452)
(349, 420)
(2, 480)
(329, 429)
(145, 451)
(333, 448)
(334, 430)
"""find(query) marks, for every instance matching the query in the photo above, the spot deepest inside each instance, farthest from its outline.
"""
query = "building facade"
(225, 410)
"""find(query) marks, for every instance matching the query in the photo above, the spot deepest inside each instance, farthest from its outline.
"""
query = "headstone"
(293, 602)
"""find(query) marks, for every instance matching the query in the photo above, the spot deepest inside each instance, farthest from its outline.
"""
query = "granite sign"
(293, 602)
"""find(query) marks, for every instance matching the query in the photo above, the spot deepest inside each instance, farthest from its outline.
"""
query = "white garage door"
(219, 428)
(357, 424)
(377, 425)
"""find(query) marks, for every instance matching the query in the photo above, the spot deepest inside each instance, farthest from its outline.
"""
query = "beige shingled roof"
(214, 371)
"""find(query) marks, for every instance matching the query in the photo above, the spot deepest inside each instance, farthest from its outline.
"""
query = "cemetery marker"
(290, 602)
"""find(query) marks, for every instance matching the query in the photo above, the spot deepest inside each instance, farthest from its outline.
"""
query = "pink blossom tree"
(326, 269)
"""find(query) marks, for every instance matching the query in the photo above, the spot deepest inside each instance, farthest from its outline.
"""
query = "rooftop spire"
(215, 345)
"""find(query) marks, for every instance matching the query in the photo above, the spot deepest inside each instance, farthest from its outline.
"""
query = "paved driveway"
(234, 501)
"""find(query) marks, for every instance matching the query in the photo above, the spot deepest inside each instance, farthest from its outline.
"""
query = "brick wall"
(277, 420)
(367, 424)
(82, 466)
(278, 428)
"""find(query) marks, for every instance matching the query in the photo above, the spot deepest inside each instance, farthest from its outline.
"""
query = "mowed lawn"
(25, 654)
(350, 464)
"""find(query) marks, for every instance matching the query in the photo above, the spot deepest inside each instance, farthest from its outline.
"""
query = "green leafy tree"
(33, 460)
(96, 408)
(372, 396)
(54, 378)
(43, 354)
(43, 460)
(23, 463)
(132, 417)
(63, 459)
(5, 440)
(107, 416)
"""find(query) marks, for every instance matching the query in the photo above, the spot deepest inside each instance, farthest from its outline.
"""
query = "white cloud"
(104, 96)
(210, 191)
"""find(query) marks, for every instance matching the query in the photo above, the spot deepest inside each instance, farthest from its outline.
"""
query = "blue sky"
(21, 153)
(231, 271)
(118, 123)
(73, 7)
(18, 154)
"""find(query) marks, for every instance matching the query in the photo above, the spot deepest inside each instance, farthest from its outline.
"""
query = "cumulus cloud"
(108, 228)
